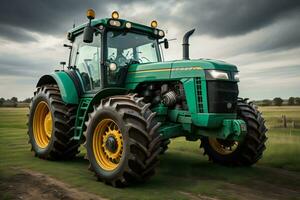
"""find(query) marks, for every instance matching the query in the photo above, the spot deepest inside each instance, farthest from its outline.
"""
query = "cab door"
(86, 59)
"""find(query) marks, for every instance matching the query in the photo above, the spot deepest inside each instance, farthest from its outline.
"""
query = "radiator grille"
(199, 95)
(222, 96)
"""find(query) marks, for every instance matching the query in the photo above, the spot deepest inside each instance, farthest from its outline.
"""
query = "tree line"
(13, 102)
(277, 101)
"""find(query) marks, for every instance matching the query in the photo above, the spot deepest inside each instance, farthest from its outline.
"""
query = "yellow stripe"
(151, 70)
(166, 70)
(186, 68)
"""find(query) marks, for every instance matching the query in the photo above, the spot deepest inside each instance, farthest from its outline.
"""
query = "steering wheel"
(141, 59)
(121, 60)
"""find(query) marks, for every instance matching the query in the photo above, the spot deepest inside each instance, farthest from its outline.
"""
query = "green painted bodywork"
(193, 123)
(67, 87)
(197, 121)
(173, 70)
(65, 83)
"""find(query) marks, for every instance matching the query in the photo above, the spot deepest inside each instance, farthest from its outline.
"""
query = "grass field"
(183, 173)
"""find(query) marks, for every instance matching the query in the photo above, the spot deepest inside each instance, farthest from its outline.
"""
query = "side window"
(147, 53)
(112, 54)
(77, 41)
(87, 62)
(128, 53)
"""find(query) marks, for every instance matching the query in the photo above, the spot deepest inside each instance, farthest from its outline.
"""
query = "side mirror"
(63, 64)
(166, 43)
(88, 34)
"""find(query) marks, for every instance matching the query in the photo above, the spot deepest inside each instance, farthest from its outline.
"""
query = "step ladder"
(81, 116)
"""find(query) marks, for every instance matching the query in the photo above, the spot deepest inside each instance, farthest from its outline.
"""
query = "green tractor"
(123, 103)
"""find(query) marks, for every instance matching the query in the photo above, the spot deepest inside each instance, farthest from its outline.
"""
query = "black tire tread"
(138, 117)
(64, 147)
(253, 145)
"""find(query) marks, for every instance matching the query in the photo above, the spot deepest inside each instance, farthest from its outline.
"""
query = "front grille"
(199, 95)
(222, 96)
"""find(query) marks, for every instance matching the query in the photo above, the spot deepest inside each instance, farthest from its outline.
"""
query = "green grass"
(183, 170)
(273, 114)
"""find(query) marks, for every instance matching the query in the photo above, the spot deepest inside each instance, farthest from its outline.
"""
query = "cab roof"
(106, 23)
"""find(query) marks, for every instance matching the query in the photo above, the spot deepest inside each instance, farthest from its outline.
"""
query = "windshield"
(127, 47)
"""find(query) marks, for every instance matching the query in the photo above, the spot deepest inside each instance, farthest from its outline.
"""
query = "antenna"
(74, 23)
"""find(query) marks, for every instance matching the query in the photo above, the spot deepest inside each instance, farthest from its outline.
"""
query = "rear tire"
(51, 125)
(248, 151)
(122, 141)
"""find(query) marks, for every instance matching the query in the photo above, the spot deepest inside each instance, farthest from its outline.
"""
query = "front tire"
(51, 125)
(246, 152)
(122, 141)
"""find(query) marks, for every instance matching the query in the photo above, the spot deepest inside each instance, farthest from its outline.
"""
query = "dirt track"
(28, 185)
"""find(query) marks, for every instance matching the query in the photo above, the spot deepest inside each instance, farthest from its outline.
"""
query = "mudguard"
(66, 86)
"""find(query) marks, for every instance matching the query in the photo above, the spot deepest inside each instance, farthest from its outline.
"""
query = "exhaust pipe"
(185, 44)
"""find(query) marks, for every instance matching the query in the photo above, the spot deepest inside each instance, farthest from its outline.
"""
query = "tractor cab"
(103, 49)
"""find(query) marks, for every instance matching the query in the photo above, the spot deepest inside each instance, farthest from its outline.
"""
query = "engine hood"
(205, 64)
(164, 66)
(173, 70)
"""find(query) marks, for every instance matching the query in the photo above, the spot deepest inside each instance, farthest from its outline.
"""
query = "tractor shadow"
(182, 171)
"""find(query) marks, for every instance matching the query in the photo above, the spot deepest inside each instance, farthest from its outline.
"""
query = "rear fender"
(65, 84)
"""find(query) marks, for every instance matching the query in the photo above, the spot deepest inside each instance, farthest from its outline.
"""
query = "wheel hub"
(48, 124)
(111, 144)
(108, 144)
(223, 147)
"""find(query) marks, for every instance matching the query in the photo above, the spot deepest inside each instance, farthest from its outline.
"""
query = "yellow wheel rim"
(107, 144)
(223, 147)
(42, 125)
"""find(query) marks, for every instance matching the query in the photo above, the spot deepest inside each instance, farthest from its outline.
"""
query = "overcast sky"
(261, 37)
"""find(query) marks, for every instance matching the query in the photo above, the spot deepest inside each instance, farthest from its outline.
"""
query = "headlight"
(236, 76)
(216, 74)
(114, 23)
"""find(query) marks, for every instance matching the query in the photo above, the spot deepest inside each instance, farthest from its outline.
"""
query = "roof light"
(128, 25)
(154, 24)
(161, 33)
(90, 13)
(115, 15)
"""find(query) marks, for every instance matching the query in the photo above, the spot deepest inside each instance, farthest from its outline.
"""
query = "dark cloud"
(235, 17)
(18, 34)
(19, 65)
(286, 36)
(281, 36)
(51, 17)
(212, 17)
